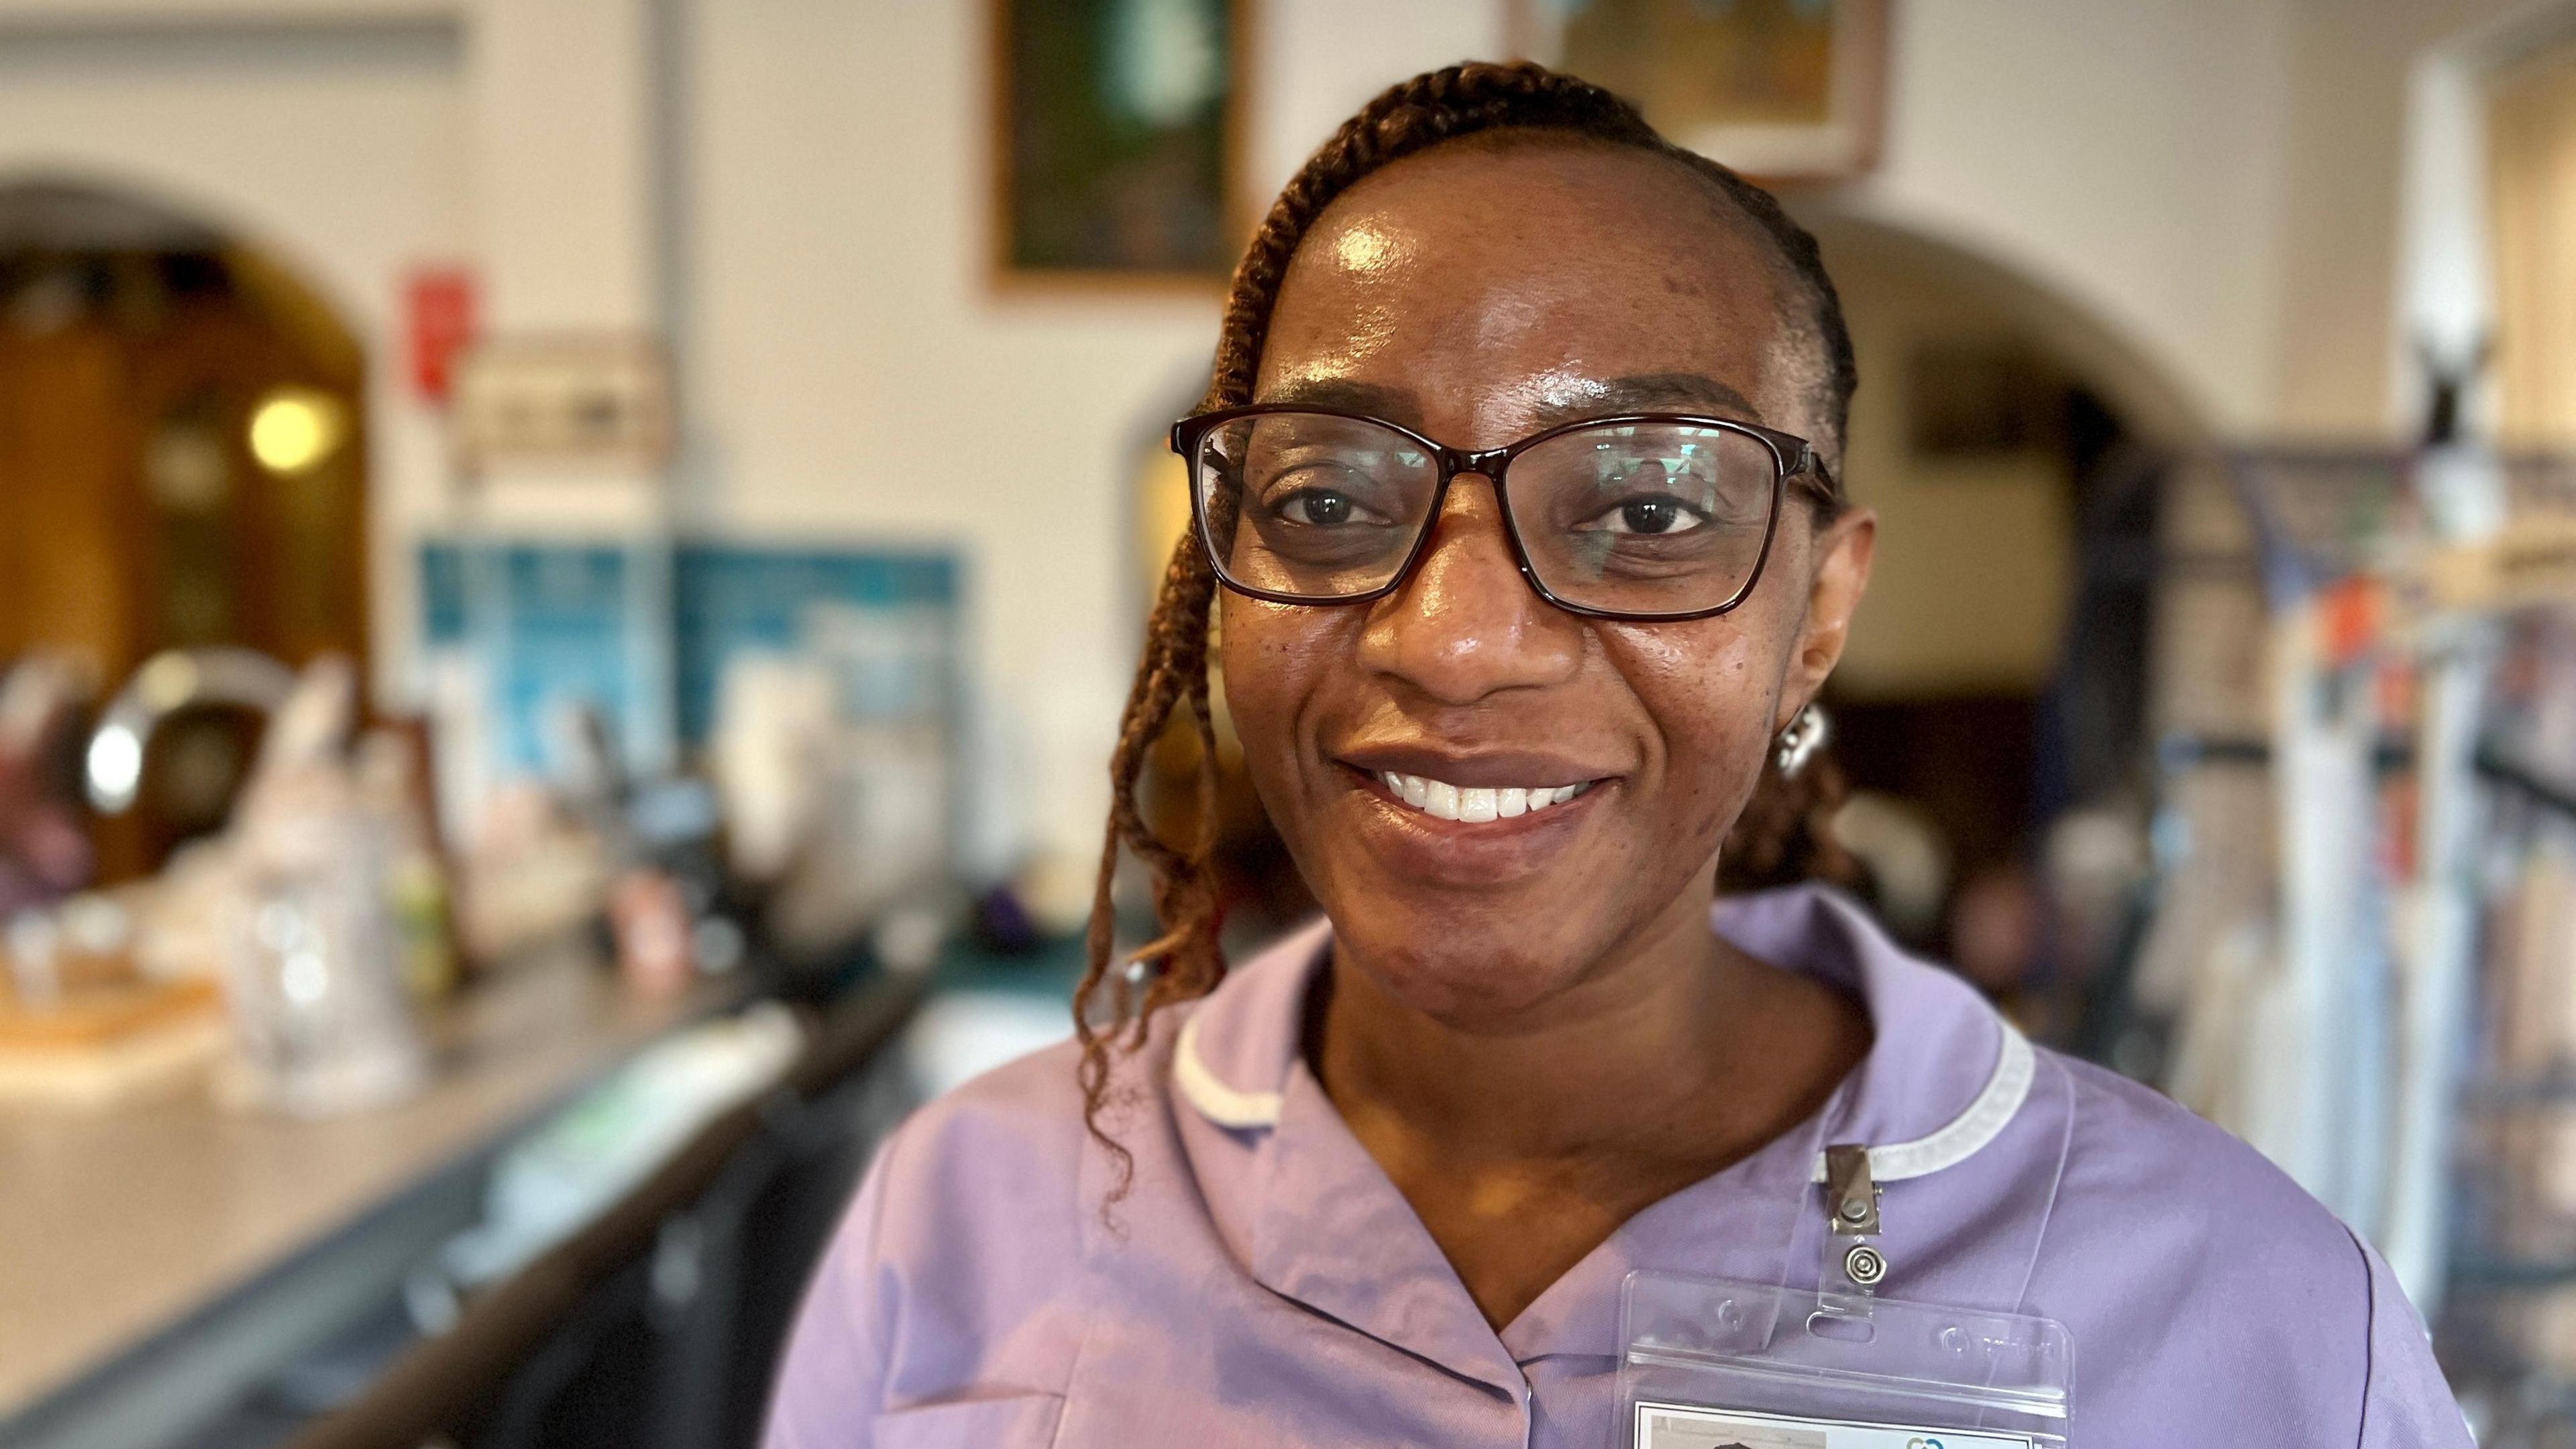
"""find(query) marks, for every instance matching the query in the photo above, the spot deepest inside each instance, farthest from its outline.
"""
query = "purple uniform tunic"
(1264, 1283)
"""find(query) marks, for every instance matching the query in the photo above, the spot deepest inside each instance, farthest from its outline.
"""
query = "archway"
(1867, 254)
(182, 464)
(1998, 681)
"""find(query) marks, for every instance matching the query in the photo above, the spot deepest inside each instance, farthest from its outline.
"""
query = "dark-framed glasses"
(1647, 516)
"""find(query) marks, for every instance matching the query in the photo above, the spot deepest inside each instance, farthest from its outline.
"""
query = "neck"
(1652, 1050)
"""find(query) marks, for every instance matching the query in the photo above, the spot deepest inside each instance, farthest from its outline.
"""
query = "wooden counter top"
(118, 1224)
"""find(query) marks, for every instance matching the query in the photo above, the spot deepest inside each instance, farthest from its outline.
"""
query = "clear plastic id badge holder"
(1712, 1363)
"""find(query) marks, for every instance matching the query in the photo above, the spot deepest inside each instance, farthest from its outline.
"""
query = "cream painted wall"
(2127, 156)
(561, 136)
(854, 374)
(2218, 181)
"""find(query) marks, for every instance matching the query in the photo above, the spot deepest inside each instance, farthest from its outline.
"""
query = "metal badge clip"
(1851, 1213)
(1851, 1198)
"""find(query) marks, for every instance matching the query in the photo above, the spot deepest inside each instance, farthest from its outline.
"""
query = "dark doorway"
(182, 464)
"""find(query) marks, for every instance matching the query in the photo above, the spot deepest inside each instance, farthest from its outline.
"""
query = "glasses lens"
(1312, 505)
(1645, 518)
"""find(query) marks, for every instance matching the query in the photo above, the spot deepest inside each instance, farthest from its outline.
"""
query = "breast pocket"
(1014, 1421)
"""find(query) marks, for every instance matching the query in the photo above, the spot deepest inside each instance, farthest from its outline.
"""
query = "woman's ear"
(1842, 554)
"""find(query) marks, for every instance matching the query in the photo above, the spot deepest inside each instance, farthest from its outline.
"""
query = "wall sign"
(601, 400)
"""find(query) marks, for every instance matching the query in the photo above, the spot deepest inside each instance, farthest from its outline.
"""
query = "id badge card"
(1679, 1426)
(1712, 1363)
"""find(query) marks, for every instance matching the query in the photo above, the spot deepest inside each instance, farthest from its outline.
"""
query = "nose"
(1466, 625)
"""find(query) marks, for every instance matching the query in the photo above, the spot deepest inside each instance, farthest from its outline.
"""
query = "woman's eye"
(1653, 514)
(1319, 508)
(1321, 496)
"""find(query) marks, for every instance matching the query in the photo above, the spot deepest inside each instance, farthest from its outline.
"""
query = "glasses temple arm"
(1810, 469)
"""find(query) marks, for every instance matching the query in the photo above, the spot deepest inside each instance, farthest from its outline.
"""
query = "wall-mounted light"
(296, 429)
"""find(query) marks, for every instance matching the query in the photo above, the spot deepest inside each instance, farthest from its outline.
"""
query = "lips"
(1467, 816)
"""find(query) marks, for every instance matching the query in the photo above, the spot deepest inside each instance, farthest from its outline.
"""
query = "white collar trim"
(1216, 1101)
(1981, 1123)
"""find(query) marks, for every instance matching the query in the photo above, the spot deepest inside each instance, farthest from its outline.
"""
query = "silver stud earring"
(1807, 732)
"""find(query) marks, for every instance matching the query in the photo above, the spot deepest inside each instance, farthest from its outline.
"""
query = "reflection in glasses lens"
(1643, 518)
(1312, 505)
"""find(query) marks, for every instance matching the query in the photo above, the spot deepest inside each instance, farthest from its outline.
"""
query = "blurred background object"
(564, 563)
(45, 848)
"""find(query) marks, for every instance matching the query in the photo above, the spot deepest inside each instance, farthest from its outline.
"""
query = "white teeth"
(1475, 804)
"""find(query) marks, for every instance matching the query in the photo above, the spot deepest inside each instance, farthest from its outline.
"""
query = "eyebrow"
(1652, 392)
(1644, 392)
(1395, 404)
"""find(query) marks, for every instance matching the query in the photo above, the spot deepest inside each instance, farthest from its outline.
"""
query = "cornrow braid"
(1184, 962)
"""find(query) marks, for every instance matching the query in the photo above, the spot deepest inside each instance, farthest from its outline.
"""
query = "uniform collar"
(1232, 1059)
(1328, 1229)
(1945, 1073)
(1928, 1095)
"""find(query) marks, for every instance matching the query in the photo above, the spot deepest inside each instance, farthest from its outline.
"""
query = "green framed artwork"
(1118, 129)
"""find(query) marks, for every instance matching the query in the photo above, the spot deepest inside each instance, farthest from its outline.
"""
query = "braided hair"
(1777, 837)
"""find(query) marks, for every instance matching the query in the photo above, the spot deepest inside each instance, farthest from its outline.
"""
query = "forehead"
(1484, 287)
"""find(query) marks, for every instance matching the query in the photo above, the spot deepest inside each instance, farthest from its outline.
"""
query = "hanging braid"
(1184, 961)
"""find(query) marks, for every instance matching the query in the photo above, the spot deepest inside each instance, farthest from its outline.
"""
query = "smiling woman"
(1516, 479)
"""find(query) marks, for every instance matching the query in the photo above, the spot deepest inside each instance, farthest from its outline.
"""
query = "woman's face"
(1478, 293)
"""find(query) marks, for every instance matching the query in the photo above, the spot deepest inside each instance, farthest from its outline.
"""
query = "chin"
(1463, 977)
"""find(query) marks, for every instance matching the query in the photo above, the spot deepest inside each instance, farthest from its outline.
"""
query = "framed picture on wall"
(1781, 90)
(1118, 129)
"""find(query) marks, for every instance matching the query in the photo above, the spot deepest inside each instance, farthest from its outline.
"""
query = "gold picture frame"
(1780, 90)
